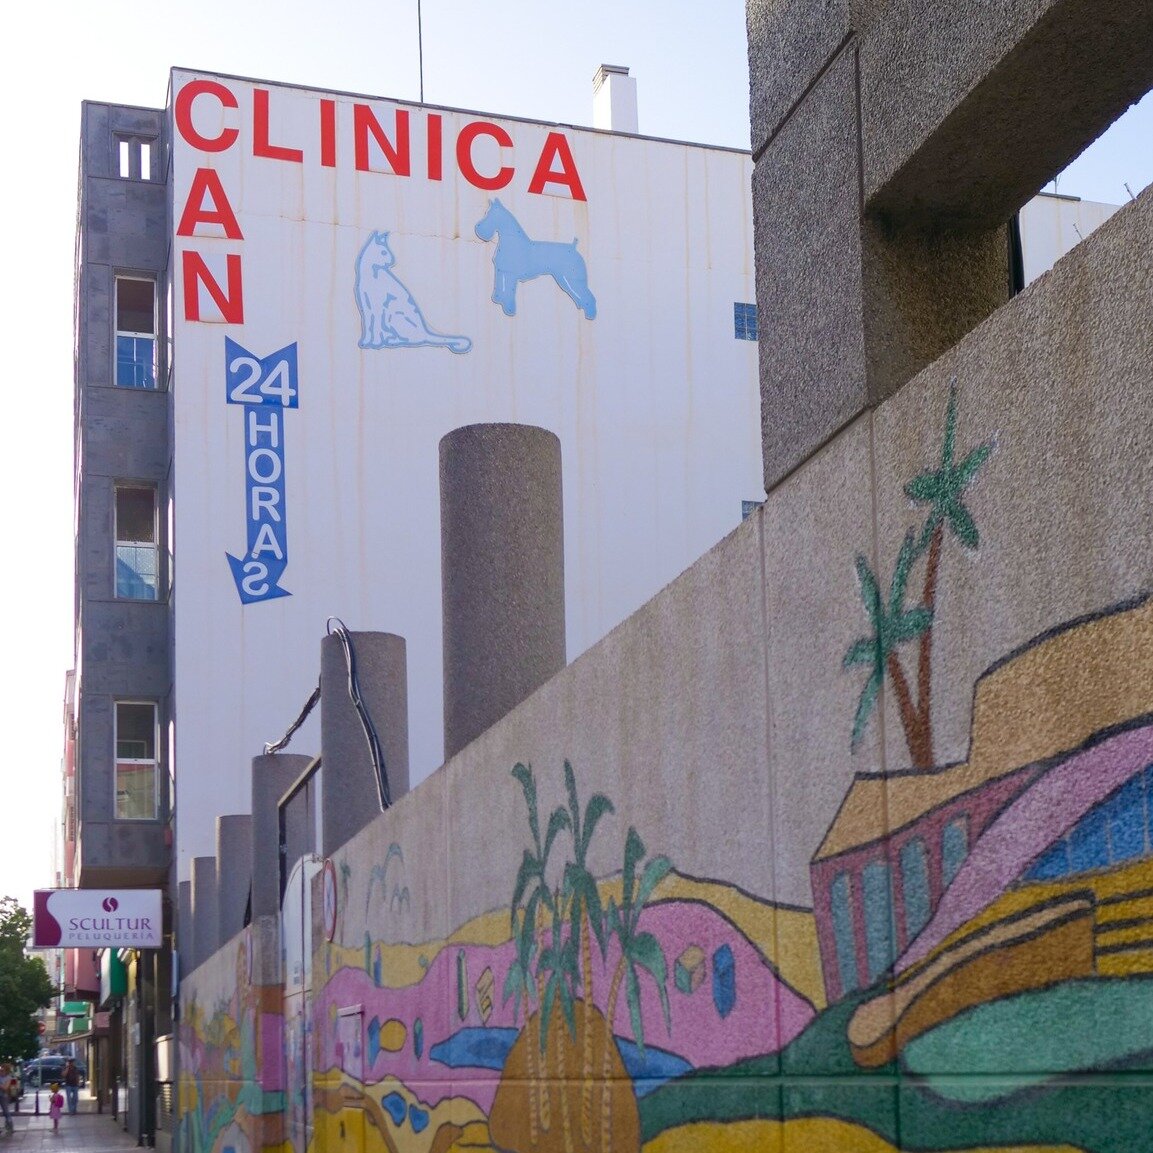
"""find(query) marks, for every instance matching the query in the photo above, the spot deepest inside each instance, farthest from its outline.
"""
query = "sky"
(513, 57)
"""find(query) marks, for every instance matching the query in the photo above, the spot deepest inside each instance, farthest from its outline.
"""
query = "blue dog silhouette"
(518, 258)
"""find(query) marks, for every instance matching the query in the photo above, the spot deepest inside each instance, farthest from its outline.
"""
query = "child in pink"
(55, 1106)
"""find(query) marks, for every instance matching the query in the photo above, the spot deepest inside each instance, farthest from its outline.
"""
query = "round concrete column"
(502, 572)
(349, 797)
(273, 774)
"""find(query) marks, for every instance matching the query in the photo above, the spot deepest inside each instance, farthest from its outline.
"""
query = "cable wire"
(375, 752)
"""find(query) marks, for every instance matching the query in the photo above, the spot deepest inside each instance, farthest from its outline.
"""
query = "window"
(137, 558)
(843, 935)
(954, 848)
(135, 761)
(878, 917)
(135, 333)
(745, 321)
(134, 157)
(915, 886)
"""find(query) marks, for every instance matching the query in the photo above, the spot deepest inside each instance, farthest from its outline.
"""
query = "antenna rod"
(420, 48)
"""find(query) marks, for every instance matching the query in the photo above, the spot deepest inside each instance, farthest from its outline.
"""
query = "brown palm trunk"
(920, 749)
(606, 1067)
(925, 655)
(586, 1032)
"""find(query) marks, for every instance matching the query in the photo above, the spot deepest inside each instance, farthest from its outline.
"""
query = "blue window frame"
(744, 321)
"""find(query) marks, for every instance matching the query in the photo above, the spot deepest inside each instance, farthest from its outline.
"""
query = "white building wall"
(655, 402)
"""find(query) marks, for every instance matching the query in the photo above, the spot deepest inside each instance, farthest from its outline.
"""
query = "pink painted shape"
(271, 1052)
(1028, 827)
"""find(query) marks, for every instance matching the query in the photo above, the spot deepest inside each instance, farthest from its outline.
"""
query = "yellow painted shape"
(805, 1135)
(393, 1036)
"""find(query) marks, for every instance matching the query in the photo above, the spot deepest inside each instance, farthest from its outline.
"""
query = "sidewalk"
(85, 1132)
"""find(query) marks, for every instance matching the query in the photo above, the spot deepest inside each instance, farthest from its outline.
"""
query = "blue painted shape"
(1052, 863)
(418, 1038)
(481, 1048)
(395, 1107)
(474, 1048)
(517, 258)
(269, 384)
(373, 1041)
(418, 1118)
(1089, 842)
(724, 980)
(389, 315)
(376, 970)
(1125, 812)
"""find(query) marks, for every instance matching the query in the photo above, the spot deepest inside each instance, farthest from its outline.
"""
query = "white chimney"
(614, 99)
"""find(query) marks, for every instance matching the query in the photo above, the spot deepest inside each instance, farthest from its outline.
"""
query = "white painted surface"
(654, 401)
(1051, 225)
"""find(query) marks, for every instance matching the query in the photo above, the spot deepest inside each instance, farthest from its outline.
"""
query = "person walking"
(6, 1095)
(71, 1084)
(55, 1105)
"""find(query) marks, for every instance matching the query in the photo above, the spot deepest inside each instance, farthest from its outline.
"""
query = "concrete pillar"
(272, 776)
(204, 915)
(349, 795)
(185, 929)
(502, 572)
(233, 872)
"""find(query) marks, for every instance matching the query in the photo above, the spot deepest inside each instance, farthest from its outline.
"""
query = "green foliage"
(24, 984)
(892, 626)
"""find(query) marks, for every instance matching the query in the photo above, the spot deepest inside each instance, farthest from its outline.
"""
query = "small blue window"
(878, 917)
(745, 321)
(842, 902)
(915, 886)
(954, 848)
(135, 332)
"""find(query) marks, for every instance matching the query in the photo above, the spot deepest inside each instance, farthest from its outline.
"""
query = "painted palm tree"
(942, 490)
(640, 952)
(892, 625)
(586, 920)
(531, 896)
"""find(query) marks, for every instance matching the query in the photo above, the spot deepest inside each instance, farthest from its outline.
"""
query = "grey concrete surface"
(502, 572)
(234, 872)
(350, 793)
(204, 911)
(272, 774)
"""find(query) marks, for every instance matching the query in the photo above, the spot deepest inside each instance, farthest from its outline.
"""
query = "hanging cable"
(374, 750)
(309, 705)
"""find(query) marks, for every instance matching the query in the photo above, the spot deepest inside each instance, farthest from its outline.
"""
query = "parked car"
(40, 1072)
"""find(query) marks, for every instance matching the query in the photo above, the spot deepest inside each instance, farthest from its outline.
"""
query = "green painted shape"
(1073, 1027)
(271, 1101)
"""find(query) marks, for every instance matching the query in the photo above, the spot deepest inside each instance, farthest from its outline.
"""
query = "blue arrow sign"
(265, 386)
